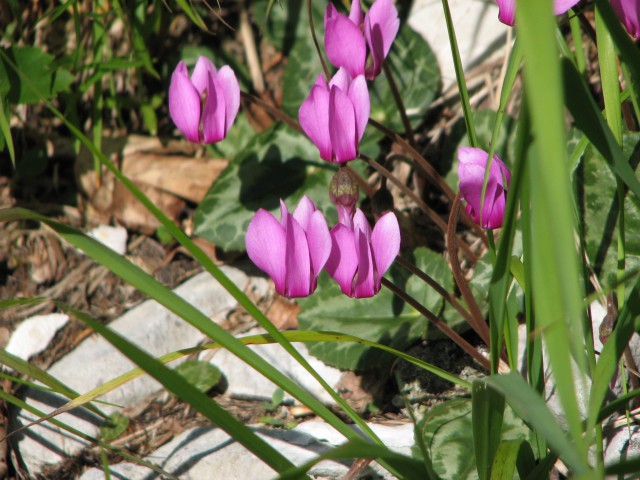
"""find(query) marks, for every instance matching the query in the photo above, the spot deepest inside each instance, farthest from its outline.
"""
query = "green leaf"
(5, 130)
(383, 319)
(504, 464)
(487, 416)
(599, 204)
(446, 430)
(415, 70)
(118, 423)
(276, 164)
(44, 80)
(202, 375)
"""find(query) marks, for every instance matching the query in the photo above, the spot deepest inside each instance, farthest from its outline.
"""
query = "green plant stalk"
(462, 83)
(555, 273)
(611, 93)
(5, 129)
(576, 35)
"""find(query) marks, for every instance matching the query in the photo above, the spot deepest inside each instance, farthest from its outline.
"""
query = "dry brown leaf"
(284, 314)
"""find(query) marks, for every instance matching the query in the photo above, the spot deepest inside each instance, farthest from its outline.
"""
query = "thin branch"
(327, 74)
(441, 325)
(478, 324)
(408, 131)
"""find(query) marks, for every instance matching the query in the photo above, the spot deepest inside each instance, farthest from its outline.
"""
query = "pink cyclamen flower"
(360, 257)
(204, 106)
(292, 251)
(334, 116)
(629, 13)
(360, 44)
(472, 164)
(507, 9)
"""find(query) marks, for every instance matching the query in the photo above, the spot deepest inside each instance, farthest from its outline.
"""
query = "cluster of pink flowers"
(294, 250)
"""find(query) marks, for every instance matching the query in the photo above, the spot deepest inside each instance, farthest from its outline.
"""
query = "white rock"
(478, 31)
(113, 237)
(624, 444)
(196, 453)
(244, 382)
(152, 328)
(34, 334)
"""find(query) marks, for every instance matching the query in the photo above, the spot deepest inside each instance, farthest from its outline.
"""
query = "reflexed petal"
(365, 285)
(319, 240)
(303, 212)
(284, 213)
(184, 103)
(360, 222)
(226, 81)
(214, 114)
(341, 79)
(355, 15)
(561, 6)
(345, 217)
(345, 45)
(330, 14)
(342, 262)
(200, 76)
(359, 95)
(385, 242)
(313, 116)
(381, 26)
(266, 246)
(507, 11)
(629, 13)
(342, 126)
(298, 276)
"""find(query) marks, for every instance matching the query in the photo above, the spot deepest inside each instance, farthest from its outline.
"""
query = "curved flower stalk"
(334, 116)
(507, 9)
(360, 44)
(360, 257)
(204, 106)
(292, 251)
(629, 13)
(472, 164)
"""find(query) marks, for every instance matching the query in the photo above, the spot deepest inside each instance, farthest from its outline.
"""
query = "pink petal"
(495, 217)
(226, 81)
(506, 11)
(184, 103)
(342, 262)
(330, 14)
(365, 286)
(341, 79)
(214, 114)
(200, 76)
(314, 119)
(342, 126)
(385, 242)
(629, 14)
(298, 276)
(561, 6)
(303, 212)
(359, 96)
(345, 45)
(266, 246)
(319, 240)
(345, 217)
(355, 15)
(284, 213)
(361, 223)
(381, 26)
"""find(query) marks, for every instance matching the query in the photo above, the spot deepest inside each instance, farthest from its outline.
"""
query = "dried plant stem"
(327, 74)
(478, 324)
(408, 131)
(441, 325)
(249, 42)
(430, 172)
(436, 286)
(433, 216)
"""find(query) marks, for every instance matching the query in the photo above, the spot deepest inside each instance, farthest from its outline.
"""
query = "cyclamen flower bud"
(629, 13)
(472, 165)
(204, 106)
(343, 191)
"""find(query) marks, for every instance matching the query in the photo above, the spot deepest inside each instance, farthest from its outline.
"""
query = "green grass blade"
(504, 465)
(557, 286)
(6, 133)
(408, 468)
(487, 413)
(182, 389)
(529, 406)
